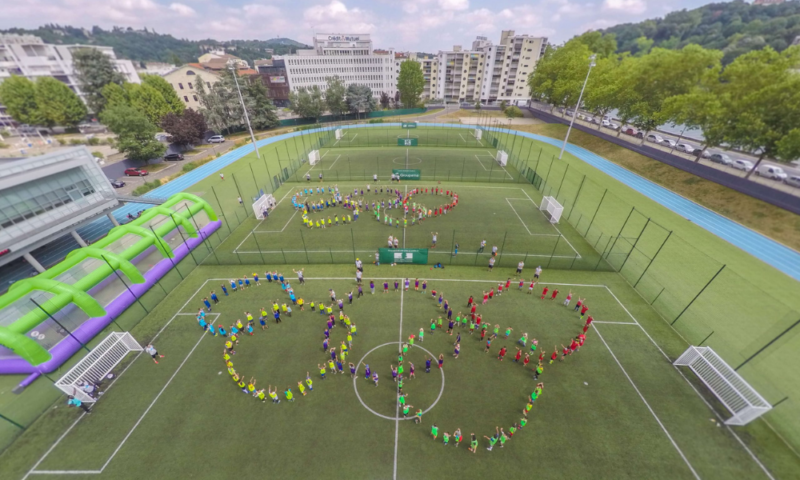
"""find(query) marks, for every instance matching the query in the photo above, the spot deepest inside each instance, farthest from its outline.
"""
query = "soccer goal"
(97, 364)
(313, 157)
(729, 387)
(339, 133)
(552, 207)
(502, 158)
(478, 133)
(264, 202)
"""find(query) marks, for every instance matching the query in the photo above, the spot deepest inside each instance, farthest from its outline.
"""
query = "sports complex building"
(624, 330)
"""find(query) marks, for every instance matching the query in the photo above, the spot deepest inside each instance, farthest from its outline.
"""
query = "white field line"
(553, 224)
(397, 407)
(484, 167)
(616, 323)
(275, 231)
(253, 252)
(323, 155)
(493, 157)
(710, 407)
(526, 227)
(67, 472)
(660, 424)
(462, 138)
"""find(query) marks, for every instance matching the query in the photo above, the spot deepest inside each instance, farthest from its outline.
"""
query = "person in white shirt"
(494, 251)
(537, 272)
(359, 265)
(491, 263)
(375, 178)
(483, 245)
(519, 267)
(151, 350)
(390, 241)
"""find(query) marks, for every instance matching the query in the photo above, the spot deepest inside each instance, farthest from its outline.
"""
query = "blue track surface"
(769, 251)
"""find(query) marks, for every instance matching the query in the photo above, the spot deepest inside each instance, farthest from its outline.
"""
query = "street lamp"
(232, 68)
(575, 111)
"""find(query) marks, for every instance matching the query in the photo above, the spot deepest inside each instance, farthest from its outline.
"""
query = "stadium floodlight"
(578, 105)
(232, 68)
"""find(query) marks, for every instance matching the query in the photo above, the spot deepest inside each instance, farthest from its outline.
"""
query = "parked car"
(793, 180)
(216, 139)
(173, 157)
(721, 158)
(667, 142)
(632, 131)
(116, 183)
(92, 128)
(655, 138)
(740, 164)
(771, 171)
(686, 148)
(609, 124)
(136, 172)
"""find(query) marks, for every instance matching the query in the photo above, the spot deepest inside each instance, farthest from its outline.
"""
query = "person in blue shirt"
(234, 330)
(233, 285)
(250, 328)
(224, 290)
(214, 297)
(74, 402)
(427, 365)
(283, 285)
(203, 324)
(207, 304)
(293, 298)
(280, 277)
(277, 316)
(246, 281)
(255, 279)
(269, 277)
(212, 330)
(222, 331)
(241, 283)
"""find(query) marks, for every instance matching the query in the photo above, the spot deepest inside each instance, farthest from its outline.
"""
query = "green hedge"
(351, 117)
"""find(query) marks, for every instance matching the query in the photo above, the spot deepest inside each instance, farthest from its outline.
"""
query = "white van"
(771, 171)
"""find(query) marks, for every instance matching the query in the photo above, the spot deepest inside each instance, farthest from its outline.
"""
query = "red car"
(135, 172)
(633, 132)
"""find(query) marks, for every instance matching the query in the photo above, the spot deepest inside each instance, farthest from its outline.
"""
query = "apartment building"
(350, 56)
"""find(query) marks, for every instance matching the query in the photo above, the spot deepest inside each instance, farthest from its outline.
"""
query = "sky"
(415, 25)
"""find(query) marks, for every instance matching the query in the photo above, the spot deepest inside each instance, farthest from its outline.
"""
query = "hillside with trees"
(734, 28)
(149, 46)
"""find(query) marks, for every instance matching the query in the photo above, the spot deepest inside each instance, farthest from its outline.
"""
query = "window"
(180, 85)
(195, 97)
(190, 86)
(208, 84)
(186, 99)
(190, 72)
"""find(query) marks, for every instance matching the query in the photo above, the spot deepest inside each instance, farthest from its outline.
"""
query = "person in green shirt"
(503, 438)
(492, 441)
(433, 326)
(463, 321)
(522, 422)
(446, 438)
(273, 394)
(508, 331)
(405, 348)
(434, 431)
(402, 398)
(457, 436)
(400, 369)
(418, 416)
(523, 340)
(406, 409)
(400, 384)
(473, 444)
(421, 335)
(512, 430)
(321, 370)
(495, 331)
(289, 395)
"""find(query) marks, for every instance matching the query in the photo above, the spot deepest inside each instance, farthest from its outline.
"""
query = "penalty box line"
(34, 471)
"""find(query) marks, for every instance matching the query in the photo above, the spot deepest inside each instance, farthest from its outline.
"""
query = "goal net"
(741, 400)
(339, 133)
(313, 157)
(478, 133)
(552, 207)
(502, 158)
(264, 202)
(97, 364)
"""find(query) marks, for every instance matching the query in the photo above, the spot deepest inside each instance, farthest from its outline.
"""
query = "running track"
(765, 249)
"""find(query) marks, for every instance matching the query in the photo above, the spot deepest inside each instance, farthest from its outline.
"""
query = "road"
(778, 185)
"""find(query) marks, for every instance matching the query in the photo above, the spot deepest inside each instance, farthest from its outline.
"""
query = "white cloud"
(182, 10)
(627, 6)
(336, 17)
(454, 4)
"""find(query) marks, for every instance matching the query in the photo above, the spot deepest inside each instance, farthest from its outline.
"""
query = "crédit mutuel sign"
(343, 38)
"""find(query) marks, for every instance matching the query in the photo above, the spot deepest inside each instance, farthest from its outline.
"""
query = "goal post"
(552, 207)
(97, 364)
(339, 133)
(502, 158)
(478, 133)
(739, 398)
(265, 201)
(313, 157)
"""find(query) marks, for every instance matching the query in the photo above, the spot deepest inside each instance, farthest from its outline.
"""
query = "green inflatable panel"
(115, 260)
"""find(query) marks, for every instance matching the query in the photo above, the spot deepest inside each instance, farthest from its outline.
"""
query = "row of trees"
(752, 104)
(46, 102)
(223, 109)
(338, 99)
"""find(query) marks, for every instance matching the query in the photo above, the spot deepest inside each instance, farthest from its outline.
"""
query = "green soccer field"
(615, 406)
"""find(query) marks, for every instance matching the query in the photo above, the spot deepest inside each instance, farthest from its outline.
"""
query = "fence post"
(562, 182)
(554, 251)
(597, 209)
(634, 245)
(768, 344)
(698, 295)
(258, 246)
(233, 175)
(160, 242)
(652, 259)
(126, 287)
(254, 179)
(552, 160)
(505, 235)
(59, 324)
(620, 231)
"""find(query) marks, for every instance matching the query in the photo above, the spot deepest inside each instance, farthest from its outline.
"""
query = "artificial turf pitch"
(615, 409)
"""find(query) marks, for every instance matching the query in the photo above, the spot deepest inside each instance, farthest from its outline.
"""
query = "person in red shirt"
(521, 283)
(589, 320)
(472, 310)
(526, 361)
(554, 355)
(541, 355)
(499, 288)
(518, 355)
(433, 292)
(478, 320)
(469, 302)
(584, 308)
(530, 287)
(483, 333)
(485, 297)
(569, 299)
(508, 284)
(555, 294)
(491, 294)
(585, 328)
(564, 352)
(574, 345)
(544, 292)
(502, 354)
(581, 340)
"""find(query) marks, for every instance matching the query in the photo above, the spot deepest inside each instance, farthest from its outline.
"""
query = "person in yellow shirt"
(301, 388)
(309, 382)
(300, 303)
(251, 386)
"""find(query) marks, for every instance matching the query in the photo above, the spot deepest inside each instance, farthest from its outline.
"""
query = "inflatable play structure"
(45, 319)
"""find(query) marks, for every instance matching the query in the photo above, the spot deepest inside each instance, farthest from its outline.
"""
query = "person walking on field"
(151, 350)
(435, 236)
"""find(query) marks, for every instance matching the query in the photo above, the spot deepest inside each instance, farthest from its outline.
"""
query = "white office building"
(28, 56)
(350, 56)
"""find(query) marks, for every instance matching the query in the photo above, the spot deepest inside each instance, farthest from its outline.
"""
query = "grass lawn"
(603, 407)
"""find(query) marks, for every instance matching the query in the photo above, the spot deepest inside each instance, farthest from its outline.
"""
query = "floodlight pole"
(244, 109)
(575, 111)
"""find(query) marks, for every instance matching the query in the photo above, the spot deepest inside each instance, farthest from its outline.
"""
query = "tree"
(360, 99)
(478, 105)
(410, 83)
(260, 108)
(18, 94)
(149, 101)
(334, 96)
(560, 73)
(166, 91)
(396, 100)
(94, 70)
(503, 105)
(603, 45)
(513, 112)
(187, 128)
(385, 101)
(114, 95)
(761, 102)
(604, 87)
(57, 104)
(307, 104)
(135, 132)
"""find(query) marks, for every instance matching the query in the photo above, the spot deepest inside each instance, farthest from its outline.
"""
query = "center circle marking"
(411, 161)
(355, 383)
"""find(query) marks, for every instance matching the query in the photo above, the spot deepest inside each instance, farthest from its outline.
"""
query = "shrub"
(98, 155)
(513, 112)
(376, 120)
(76, 141)
(146, 187)
(93, 141)
(219, 154)
(189, 167)
(307, 127)
(4, 145)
